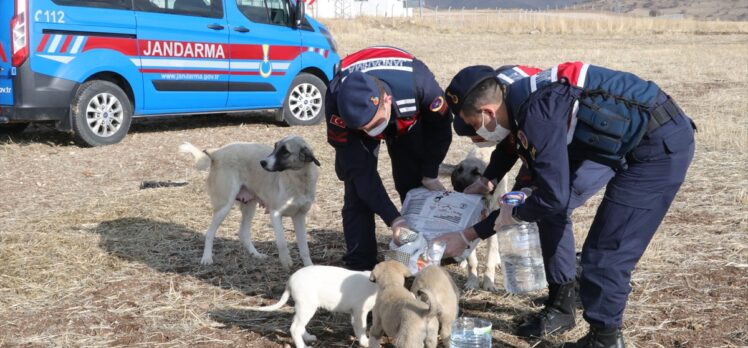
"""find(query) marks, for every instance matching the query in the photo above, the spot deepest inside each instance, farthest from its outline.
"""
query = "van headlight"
(330, 39)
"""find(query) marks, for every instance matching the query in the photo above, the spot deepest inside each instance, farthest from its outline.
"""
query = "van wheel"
(13, 128)
(305, 101)
(101, 113)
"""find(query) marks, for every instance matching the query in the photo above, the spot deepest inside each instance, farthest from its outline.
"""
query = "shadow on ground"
(174, 248)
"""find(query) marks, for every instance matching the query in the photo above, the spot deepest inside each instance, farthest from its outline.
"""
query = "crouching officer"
(577, 128)
(504, 155)
(383, 93)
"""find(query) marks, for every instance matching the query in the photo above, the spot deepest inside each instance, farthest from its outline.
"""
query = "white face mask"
(495, 136)
(380, 128)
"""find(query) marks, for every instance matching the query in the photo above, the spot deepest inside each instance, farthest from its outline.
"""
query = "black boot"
(577, 299)
(540, 301)
(599, 338)
(557, 316)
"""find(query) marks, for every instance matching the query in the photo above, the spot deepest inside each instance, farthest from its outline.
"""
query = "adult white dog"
(462, 175)
(282, 179)
(332, 288)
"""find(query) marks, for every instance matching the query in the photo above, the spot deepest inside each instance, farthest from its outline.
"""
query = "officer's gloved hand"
(481, 186)
(397, 224)
(432, 184)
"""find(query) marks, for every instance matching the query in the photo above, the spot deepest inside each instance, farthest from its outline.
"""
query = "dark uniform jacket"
(571, 112)
(418, 109)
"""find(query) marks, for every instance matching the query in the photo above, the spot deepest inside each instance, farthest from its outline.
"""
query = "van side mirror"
(298, 13)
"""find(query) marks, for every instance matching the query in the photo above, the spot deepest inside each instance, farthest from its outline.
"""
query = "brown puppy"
(398, 313)
(444, 297)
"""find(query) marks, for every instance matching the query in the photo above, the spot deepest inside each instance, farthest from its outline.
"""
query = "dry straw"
(87, 259)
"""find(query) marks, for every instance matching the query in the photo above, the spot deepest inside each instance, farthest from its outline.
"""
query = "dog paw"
(259, 256)
(363, 341)
(309, 338)
(489, 285)
(472, 283)
(206, 260)
(286, 263)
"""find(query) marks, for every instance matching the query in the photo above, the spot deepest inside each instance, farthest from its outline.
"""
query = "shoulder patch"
(336, 120)
(438, 105)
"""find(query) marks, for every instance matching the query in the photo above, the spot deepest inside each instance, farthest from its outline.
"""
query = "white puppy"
(282, 179)
(332, 288)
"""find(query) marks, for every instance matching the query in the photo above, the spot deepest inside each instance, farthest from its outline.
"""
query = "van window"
(200, 8)
(113, 4)
(266, 11)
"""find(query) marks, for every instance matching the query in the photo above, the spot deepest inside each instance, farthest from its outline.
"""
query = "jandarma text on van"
(183, 49)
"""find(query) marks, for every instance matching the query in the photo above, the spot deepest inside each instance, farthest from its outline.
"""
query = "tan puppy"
(444, 297)
(398, 313)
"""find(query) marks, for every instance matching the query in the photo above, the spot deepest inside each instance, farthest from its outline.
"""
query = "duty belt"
(663, 112)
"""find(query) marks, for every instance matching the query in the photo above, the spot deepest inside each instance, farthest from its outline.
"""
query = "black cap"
(358, 99)
(463, 83)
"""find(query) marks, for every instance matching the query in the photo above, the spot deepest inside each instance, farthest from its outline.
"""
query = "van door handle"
(241, 29)
(215, 26)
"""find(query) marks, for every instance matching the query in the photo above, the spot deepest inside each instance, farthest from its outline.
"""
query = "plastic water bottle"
(521, 257)
(470, 333)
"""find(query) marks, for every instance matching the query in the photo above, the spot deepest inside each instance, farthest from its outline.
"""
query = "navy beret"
(463, 83)
(358, 99)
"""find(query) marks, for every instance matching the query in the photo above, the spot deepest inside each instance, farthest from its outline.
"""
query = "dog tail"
(427, 297)
(275, 307)
(202, 158)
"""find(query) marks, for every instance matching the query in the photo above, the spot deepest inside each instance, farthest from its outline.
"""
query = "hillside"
(521, 4)
(731, 10)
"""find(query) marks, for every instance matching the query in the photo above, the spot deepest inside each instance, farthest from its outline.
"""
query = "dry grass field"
(89, 259)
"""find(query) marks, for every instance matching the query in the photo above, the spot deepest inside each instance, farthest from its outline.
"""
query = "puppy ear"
(422, 295)
(308, 156)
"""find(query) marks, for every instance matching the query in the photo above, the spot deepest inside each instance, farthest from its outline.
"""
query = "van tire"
(100, 113)
(305, 101)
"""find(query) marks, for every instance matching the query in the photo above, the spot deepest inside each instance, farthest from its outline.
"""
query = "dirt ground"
(89, 259)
